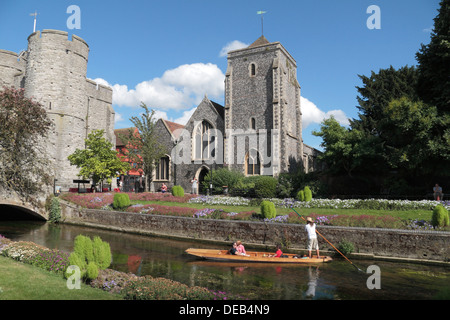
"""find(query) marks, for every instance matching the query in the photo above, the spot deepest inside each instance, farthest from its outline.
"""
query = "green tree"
(434, 83)
(408, 128)
(378, 91)
(99, 160)
(142, 145)
(434, 63)
(23, 125)
(346, 150)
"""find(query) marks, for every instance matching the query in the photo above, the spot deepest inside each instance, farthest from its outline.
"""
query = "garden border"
(390, 244)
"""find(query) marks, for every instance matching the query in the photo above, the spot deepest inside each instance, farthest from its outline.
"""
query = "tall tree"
(141, 145)
(347, 150)
(409, 128)
(434, 83)
(434, 63)
(99, 160)
(23, 126)
(378, 91)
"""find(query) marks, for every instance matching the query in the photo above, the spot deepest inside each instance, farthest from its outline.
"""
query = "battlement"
(98, 91)
(58, 39)
(11, 68)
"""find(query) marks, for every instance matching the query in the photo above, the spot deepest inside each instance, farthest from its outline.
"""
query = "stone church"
(257, 132)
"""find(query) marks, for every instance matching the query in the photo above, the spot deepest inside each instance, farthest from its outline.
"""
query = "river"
(161, 257)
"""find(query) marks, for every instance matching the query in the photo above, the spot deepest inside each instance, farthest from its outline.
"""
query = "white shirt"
(311, 230)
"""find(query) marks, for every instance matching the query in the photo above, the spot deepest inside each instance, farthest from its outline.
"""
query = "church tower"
(262, 110)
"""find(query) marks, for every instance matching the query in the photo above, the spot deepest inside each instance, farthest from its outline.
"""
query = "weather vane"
(35, 15)
(262, 21)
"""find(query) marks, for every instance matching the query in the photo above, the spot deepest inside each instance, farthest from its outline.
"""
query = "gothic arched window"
(204, 141)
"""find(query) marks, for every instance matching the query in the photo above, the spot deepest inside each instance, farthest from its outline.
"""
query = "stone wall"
(423, 245)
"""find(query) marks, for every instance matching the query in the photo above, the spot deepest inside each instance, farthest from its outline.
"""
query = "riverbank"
(370, 243)
(19, 281)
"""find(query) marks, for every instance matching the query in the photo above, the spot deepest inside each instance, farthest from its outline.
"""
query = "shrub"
(91, 271)
(55, 210)
(266, 187)
(440, 216)
(308, 194)
(90, 256)
(268, 209)
(177, 191)
(223, 177)
(102, 253)
(346, 247)
(121, 201)
(284, 187)
(301, 195)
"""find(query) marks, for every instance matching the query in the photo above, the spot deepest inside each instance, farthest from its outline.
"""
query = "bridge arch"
(14, 209)
(12, 212)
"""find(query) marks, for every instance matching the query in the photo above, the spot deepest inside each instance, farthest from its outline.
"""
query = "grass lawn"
(19, 281)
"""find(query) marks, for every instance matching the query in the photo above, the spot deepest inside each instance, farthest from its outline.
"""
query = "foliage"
(285, 186)
(434, 63)
(223, 177)
(265, 187)
(121, 201)
(177, 191)
(346, 247)
(55, 210)
(301, 195)
(308, 194)
(346, 150)
(142, 146)
(268, 210)
(98, 160)
(440, 217)
(90, 256)
(24, 162)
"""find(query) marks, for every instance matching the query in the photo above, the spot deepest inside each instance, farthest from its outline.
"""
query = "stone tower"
(53, 72)
(262, 110)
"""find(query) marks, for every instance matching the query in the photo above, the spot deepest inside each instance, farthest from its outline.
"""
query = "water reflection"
(143, 255)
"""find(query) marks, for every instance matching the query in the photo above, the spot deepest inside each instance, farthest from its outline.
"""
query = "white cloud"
(185, 117)
(118, 117)
(177, 89)
(312, 114)
(233, 45)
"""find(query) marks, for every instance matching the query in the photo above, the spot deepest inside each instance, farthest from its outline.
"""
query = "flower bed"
(128, 285)
(104, 200)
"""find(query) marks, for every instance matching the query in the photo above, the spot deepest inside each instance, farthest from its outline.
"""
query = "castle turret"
(56, 77)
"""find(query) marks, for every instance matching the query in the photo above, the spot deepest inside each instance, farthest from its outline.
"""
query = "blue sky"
(168, 53)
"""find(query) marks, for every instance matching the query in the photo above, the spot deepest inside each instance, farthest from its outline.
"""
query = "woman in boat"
(235, 250)
(240, 247)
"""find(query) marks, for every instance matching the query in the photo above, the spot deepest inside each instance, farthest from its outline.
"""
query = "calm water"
(158, 257)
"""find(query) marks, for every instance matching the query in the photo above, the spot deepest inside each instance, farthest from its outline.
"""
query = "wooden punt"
(252, 256)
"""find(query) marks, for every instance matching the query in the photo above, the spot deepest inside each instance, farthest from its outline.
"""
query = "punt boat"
(253, 256)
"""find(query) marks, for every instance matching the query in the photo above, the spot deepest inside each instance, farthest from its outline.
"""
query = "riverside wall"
(369, 243)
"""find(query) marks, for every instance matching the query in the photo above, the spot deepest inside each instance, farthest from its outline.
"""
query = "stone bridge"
(13, 207)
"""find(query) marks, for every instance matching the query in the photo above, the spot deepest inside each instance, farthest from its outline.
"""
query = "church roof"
(173, 126)
(259, 42)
